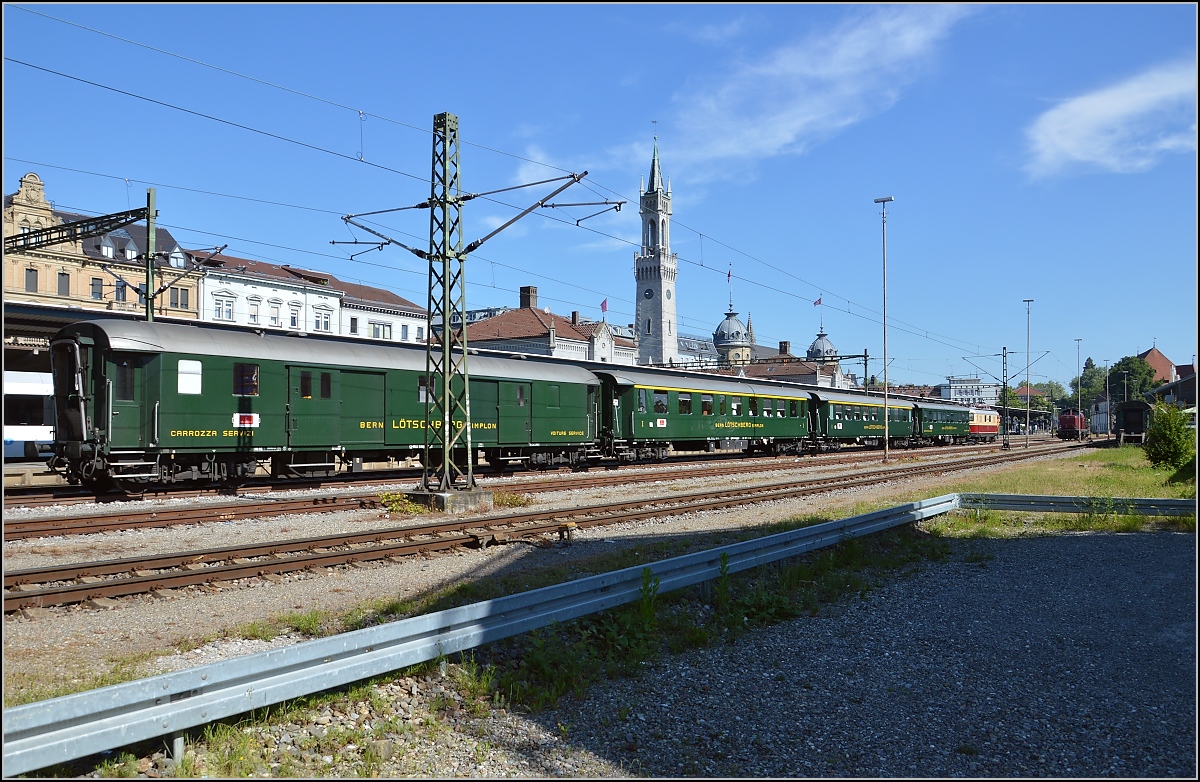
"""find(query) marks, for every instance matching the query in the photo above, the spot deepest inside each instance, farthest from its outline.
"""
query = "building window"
(130, 253)
(253, 312)
(420, 333)
(294, 320)
(245, 379)
(274, 315)
(381, 330)
(404, 332)
(354, 325)
(97, 288)
(107, 250)
(322, 320)
(141, 292)
(64, 284)
(31, 280)
(119, 293)
(223, 309)
(647, 325)
(179, 298)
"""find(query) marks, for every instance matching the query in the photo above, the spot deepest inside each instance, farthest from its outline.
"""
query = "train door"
(313, 407)
(125, 402)
(513, 423)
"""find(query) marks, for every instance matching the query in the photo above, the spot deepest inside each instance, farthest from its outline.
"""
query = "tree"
(1170, 442)
(1141, 378)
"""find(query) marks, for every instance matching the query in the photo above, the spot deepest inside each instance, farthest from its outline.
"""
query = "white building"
(253, 294)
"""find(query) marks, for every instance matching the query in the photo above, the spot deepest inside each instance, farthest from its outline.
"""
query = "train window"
(735, 405)
(706, 404)
(837, 413)
(520, 396)
(753, 406)
(245, 379)
(189, 376)
(722, 401)
(641, 400)
(423, 389)
(660, 402)
(795, 408)
(685, 403)
(122, 377)
(781, 408)
(306, 385)
(326, 385)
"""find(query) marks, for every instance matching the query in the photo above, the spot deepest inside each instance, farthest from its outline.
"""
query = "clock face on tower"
(668, 294)
(649, 294)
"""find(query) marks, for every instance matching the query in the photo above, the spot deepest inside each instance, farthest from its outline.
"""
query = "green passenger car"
(843, 419)
(647, 414)
(158, 402)
(942, 423)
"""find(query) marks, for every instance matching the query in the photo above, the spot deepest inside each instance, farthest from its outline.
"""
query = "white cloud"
(803, 93)
(1125, 127)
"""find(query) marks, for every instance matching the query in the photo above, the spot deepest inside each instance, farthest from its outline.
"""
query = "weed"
(507, 499)
(309, 623)
(124, 765)
(398, 503)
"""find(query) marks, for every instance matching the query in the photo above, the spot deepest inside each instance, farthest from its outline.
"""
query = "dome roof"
(731, 333)
(821, 347)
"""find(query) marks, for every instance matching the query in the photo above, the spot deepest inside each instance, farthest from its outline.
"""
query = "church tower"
(655, 268)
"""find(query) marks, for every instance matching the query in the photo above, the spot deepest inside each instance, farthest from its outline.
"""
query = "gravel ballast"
(1071, 655)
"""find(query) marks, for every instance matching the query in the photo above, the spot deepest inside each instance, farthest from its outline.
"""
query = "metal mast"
(447, 400)
(151, 213)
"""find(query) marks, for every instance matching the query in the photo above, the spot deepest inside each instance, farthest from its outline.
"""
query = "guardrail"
(61, 729)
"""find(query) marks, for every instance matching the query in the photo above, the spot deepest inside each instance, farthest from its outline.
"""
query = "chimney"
(574, 317)
(785, 348)
(528, 297)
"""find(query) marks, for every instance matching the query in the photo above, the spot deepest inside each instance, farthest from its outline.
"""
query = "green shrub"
(1169, 441)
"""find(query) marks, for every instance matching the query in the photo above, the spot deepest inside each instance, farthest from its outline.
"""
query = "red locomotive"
(1073, 425)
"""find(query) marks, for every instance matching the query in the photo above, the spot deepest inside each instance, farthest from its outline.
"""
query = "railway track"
(230, 511)
(41, 496)
(75, 583)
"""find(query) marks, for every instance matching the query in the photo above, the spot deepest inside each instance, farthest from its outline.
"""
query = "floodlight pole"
(1078, 384)
(886, 413)
(1028, 362)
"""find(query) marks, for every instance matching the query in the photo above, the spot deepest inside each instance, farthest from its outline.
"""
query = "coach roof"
(232, 342)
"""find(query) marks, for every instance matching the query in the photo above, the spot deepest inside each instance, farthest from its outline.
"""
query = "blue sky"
(1043, 152)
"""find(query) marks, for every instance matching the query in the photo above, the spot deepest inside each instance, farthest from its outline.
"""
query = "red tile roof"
(288, 273)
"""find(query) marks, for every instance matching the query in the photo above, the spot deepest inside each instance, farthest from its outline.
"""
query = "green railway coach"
(646, 414)
(158, 402)
(842, 418)
(938, 422)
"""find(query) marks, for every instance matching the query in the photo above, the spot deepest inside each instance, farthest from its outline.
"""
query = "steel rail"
(309, 553)
(32, 497)
(160, 517)
(61, 729)
(601, 513)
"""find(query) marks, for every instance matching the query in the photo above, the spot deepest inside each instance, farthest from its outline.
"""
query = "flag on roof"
(818, 301)
(604, 305)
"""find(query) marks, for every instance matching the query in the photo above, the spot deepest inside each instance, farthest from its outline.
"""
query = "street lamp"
(1078, 383)
(886, 416)
(1028, 361)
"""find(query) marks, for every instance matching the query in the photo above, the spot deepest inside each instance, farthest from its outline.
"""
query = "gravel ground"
(1062, 656)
